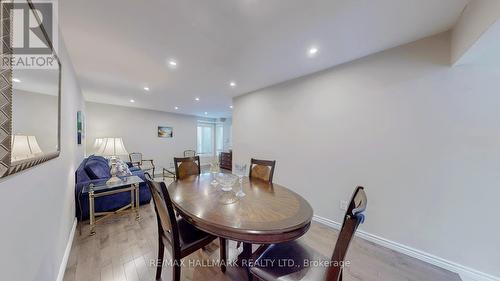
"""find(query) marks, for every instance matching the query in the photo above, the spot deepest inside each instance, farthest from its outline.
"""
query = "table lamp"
(24, 147)
(97, 144)
(112, 147)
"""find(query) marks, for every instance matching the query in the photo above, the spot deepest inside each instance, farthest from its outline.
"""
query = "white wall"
(227, 137)
(138, 128)
(24, 104)
(37, 210)
(423, 138)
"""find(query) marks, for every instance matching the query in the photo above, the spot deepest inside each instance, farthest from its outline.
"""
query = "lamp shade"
(24, 147)
(97, 144)
(112, 147)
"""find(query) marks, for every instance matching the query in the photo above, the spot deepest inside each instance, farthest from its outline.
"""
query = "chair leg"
(249, 274)
(159, 265)
(176, 270)
(247, 256)
(223, 253)
(341, 271)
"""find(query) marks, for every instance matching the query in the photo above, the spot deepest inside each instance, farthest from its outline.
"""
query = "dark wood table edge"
(247, 236)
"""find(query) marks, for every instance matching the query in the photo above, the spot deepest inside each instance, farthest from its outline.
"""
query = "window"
(205, 138)
(219, 138)
(210, 138)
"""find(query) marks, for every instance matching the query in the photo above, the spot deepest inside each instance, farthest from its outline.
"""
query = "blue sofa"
(95, 169)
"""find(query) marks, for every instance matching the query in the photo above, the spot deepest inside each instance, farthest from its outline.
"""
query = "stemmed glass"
(241, 171)
(214, 169)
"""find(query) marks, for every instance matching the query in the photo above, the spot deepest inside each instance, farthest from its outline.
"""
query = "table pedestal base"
(247, 257)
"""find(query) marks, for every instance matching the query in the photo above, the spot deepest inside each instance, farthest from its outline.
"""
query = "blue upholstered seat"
(95, 169)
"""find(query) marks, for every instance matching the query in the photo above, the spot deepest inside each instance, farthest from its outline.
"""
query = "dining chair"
(298, 251)
(143, 164)
(183, 237)
(189, 153)
(187, 166)
(262, 169)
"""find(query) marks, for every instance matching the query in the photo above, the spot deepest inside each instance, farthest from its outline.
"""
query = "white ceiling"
(37, 81)
(120, 46)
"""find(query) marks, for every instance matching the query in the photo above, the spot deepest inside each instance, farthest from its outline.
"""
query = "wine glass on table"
(240, 170)
(214, 169)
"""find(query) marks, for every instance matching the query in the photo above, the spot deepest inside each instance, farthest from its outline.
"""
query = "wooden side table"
(168, 173)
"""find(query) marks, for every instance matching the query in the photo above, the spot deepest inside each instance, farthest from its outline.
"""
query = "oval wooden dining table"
(268, 213)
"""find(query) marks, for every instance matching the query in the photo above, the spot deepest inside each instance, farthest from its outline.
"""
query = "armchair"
(189, 153)
(145, 165)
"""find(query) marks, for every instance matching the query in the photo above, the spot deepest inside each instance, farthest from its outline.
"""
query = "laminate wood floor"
(122, 250)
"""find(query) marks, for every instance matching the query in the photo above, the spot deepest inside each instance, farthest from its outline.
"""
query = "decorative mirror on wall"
(30, 90)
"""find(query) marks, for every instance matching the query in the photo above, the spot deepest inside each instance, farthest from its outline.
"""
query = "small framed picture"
(165, 132)
(80, 127)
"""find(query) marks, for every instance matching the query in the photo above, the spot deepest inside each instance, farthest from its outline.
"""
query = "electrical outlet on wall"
(343, 205)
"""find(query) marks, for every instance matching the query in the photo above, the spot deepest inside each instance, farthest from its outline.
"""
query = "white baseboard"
(64, 262)
(466, 273)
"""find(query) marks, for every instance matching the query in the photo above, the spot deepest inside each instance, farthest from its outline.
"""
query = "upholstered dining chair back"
(165, 215)
(135, 158)
(262, 169)
(187, 166)
(354, 216)
(189, 153)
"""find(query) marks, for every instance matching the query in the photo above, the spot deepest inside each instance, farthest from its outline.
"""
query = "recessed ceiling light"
(312, 51)
(146, 88)
(232, 84)
(172, 64)
(197, 99)
(231, 106)
(17, 80)
(176, 107)
(206, 113)
(132, 101)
